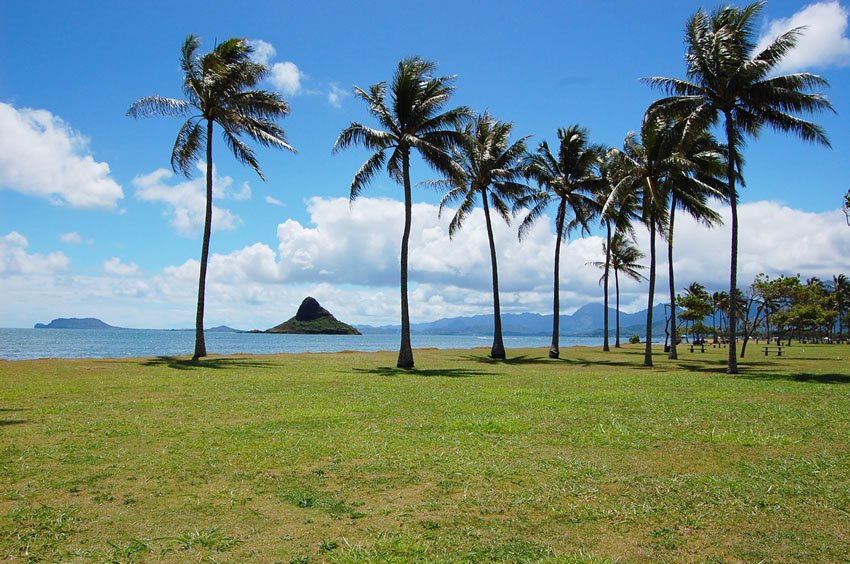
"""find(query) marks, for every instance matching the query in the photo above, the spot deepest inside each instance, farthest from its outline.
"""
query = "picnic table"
(777, 349)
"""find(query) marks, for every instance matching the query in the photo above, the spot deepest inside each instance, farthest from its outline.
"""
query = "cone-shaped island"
(313, 319)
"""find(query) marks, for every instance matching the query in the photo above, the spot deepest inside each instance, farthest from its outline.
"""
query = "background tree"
(841, 301)
(569, 179)
(725, 78)
(696, 302)
(489, 167)
(624, 258)
(410, 120)
(219, 88)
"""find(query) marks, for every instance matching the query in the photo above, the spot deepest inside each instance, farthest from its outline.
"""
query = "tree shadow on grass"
(7, 422)
(436, 372)
(825, 378)
(524, 360)
(177, 363)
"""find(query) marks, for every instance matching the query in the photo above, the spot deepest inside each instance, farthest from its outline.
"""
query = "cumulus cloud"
(117, 267)
(185, 201)
(286, 77)
(335, 95)
(14, 258)
(74, 238)
(42, 156)
(823, 42)
(263, 51)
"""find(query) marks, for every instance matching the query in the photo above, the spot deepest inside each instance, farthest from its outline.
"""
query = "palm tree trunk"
(732, 367)
(673, 352)
(617, 290)
(647, 357)
(200, 345)
(405, 353)
(554, 350)
(498, 348)
(605, 346)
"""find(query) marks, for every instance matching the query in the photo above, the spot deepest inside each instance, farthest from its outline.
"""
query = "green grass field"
(343, 458)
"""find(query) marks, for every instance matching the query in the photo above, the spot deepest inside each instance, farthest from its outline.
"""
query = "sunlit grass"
(342, 457)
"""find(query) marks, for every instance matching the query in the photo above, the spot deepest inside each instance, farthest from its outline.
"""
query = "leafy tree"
(410, 120)
(696, 302)
(219, 89)
(569, 179)
(489, 168)
(725, 78)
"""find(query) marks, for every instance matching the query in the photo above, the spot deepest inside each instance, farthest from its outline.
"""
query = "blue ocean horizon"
(26, 344)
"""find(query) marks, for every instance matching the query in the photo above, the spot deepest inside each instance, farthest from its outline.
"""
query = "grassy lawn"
(341, 457)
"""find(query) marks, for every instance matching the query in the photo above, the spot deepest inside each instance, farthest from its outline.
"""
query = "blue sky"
(123, 245)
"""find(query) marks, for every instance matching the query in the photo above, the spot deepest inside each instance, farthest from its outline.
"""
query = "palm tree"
(410, 120)
(841, 299)
(618, 217)
(624, 258)
(570, 179)
(644, 168)
(689, 192)
(219, 88)
(725, 78)
(488, 168)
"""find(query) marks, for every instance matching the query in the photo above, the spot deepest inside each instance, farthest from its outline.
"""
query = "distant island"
(75, 323)
(312, 319)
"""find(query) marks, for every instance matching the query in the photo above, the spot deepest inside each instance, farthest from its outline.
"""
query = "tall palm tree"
(410, 120)
(726, 78)
(219, 88)
(618, 217)
(644, 168)
(689, 192)
(489, 168)
(624, 258)
(570, 179)
(841, 299)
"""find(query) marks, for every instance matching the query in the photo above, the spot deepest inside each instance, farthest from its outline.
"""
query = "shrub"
(634, 339)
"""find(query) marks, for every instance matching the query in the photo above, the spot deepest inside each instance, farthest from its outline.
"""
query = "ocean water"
(19, 344)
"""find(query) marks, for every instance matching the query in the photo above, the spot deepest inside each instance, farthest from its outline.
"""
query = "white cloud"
(40, 155)
(185, 201)
(335, 95)
(823, 43)
(117, 267)
(14, 258)
(243, 193)
(263, 51)
(74, 238)
(286, 77)
(273, 201)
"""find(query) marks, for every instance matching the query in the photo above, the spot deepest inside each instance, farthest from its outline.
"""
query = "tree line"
(673, 164)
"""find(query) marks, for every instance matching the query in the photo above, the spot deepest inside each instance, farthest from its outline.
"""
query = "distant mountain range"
(75, 323)
(587, 321)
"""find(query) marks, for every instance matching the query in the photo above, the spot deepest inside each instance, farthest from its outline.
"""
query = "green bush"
(634, 339)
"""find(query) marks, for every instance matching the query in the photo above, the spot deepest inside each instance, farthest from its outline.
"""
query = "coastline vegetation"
(345, 458)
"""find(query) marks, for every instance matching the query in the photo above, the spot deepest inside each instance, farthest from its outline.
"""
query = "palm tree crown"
(412, 119)
(219, 88)
(727, 78)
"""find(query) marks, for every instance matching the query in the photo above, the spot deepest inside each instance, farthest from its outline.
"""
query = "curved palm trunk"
(405, 352)
(200, 345)
(647, 357)
(498, 348)
(605, 346)
(617, 290)
(554, 351)
(674, 354)
(732, 367)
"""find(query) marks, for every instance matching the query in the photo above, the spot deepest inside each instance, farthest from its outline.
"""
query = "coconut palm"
(489, 167)
(219, 89)
(618, 217)
(409, 120)
(569, 179)
(644, 168)
(727, 78)
(841, 299)
(624, 258)
(690, 193)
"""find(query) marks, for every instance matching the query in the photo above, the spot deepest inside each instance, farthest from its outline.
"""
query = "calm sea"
(18, 344)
